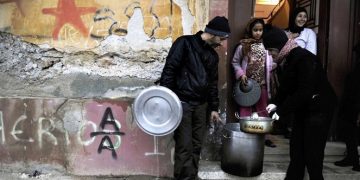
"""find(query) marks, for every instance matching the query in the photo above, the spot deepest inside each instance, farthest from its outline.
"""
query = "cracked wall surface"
(111, 43)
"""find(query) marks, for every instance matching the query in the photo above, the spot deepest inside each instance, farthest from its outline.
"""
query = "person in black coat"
(191, 71)
(306, 93)
(349, 113)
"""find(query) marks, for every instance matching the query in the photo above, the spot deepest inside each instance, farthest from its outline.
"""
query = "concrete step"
(334, 151)
(286, 158)
(276, 161)
(331, 149)
(273, 171)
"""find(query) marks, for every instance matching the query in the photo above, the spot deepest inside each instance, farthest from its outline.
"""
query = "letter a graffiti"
(108, 118)
(106, 143)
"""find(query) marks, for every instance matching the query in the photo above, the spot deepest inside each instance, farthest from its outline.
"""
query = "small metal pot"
(259, 125)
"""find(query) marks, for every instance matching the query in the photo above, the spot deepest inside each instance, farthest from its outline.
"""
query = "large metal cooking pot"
(157, 110)
(242, 153)
(258, 125)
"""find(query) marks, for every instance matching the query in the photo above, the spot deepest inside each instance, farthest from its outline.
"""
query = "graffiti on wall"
(66, 22)
(103, 139)
(101, 130)
(106, 143)
(68, 12)
(103, 15)
(45, 128)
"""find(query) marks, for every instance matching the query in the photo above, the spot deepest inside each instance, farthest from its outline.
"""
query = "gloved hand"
(275, 116)
(214, 116)
(243, 79)
(270, 108)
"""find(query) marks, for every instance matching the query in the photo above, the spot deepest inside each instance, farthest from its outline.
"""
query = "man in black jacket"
(306, 93)
(191, 71)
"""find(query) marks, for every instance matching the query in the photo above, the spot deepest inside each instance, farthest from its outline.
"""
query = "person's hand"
(243, 79)
(292, 35)
(270, 108)
(214, 116)
(275, 116)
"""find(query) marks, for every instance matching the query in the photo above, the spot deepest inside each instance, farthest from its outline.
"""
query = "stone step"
(272, 171)
(286, 158)
(334, 151)
(332, 148)
(277, 159)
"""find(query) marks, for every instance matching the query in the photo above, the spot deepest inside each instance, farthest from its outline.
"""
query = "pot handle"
(237, 115)
(226, 135)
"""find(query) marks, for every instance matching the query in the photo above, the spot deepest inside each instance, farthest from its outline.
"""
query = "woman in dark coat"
(306, 93)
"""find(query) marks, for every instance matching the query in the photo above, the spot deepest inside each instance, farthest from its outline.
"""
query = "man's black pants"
(350, 135)
(188, 140)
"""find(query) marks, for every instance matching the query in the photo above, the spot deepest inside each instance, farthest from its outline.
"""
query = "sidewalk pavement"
(276, 161)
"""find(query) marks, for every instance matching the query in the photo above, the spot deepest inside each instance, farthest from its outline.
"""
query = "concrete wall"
(83, 24)
(81, 137)
(68, 65)
(212, 146)
(105, 38)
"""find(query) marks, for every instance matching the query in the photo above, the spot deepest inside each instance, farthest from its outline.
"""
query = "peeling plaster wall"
(29, 70)
(103, 40)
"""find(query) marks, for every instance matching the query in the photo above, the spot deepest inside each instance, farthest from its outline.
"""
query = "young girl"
(251, 60)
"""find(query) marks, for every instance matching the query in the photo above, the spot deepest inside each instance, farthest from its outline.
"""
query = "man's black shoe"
(343, 163)
(356, 168)
(269, 143)
(287, 135)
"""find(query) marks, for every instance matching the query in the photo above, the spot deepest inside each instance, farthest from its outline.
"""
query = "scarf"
(254, 46)
(290, 44)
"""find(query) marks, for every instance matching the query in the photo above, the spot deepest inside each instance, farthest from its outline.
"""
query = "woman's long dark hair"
(292, 26)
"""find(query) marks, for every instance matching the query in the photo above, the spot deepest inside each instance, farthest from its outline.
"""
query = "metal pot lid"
(260, 118)
(247, 95)
(157, 110)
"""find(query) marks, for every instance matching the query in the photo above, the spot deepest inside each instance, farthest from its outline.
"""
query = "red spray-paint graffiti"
(67, 12)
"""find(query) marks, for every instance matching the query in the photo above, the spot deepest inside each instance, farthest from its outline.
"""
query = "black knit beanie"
(218, 26)
(274, 37)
